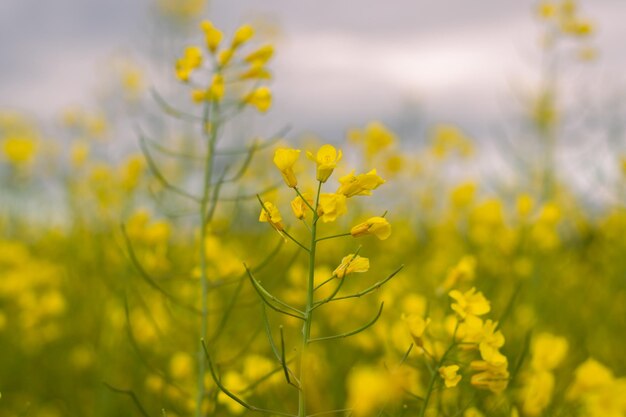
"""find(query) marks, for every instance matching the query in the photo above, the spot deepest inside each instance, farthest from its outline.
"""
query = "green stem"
(435, 374)
(211, 134)
(308, 312)
(334, 236)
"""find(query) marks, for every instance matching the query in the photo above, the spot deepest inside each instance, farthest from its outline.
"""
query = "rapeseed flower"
(191, 59)
(351, 264)
(469, 303)
(300, 207)
(213, 35)
(361, 184)
(331, 206)
(243, 34)
(261, 98)
(285, 159)
(271, 215)
(326, 159)
(377, 226)
(449, 375)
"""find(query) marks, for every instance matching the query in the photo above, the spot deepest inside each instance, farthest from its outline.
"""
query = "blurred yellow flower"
(181, 365)
(469, 303)
(216, 90)
(261, 55)
(548, 351)
(417, 327)
(546, 10)
(224, 57)
(243, 34)
(449, 375)
(537, 392)
(261, 98)
(492, 377)
(256, 72)
(191, 59)
(213, 35)
(19, 150)
(464, 271)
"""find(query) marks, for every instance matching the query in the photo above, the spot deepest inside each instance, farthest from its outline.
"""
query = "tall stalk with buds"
(315, 211)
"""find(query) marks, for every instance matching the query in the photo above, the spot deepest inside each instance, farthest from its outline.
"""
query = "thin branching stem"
(257, 288)
(353, 332)
(269, 295)
(304, 199)
(308, 314)
(231, 394)
(132, 396)
(372, 288)
(334, 236)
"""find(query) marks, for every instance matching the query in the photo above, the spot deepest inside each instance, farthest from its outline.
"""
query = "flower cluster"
(548, 351)
(229, 66)
(475, 333)
(330, 206)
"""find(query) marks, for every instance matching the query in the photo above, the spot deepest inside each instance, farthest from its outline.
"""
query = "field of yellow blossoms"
(206, 269)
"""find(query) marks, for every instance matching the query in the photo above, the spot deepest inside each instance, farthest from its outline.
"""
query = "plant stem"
(435, 374)
(308, 312)
(210, 132)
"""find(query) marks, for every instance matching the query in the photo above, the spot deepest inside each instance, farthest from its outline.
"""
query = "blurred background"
(362, 59)
(498, 127)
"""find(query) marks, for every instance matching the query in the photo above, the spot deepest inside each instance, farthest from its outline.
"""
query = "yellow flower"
(548, 351)
(464, 271)
(224, 57)
(326, 159)
(271, 215)
(494, 378)
(524, 205)
(546, 10)
(372, 388)
(216, 90)
(242, 35)
(350, 264)
(256, 71)
(331, 206)
(198, 96)
(361, 184)
(377, 226)
(473, 412)
(261, 55)
(300, 207)
(376, 137)
(490, 343)
(181, 365)
(212, 34)
(19, 150)
(589, 376)
(284, 159)
(261, 98)
(79, 153)
(191, 59)
(469, 303)
(417, 327)
(449, 375)
(537, 392)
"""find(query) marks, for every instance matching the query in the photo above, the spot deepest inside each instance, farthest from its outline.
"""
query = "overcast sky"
(338, 64)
